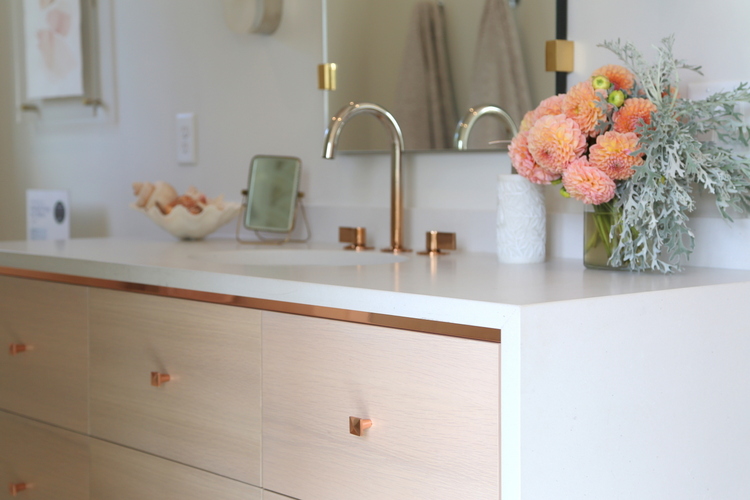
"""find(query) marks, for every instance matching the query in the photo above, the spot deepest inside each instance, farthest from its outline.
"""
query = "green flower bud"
(601, 82)
(564, 192)
(616, 98)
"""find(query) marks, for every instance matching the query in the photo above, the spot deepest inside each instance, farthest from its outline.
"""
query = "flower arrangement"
(625, 142)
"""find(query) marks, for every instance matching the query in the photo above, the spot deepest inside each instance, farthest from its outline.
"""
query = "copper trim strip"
(367, 318)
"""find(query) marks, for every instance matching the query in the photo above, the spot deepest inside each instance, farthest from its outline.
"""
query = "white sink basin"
(299, 257)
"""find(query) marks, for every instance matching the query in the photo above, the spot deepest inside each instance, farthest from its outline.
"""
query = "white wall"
(258, 95)
(252, 95)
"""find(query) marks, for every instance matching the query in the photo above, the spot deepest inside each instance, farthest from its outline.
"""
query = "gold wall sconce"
(327, 76)
(560, 56)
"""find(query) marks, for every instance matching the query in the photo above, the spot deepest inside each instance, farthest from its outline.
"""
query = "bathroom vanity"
(150, 370)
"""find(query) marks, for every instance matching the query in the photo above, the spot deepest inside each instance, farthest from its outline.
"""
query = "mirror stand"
(264, 240)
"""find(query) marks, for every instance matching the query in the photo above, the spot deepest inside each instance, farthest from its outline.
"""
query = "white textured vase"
(521, 220)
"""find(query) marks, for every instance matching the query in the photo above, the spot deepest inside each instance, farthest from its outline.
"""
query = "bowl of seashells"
(190, 216)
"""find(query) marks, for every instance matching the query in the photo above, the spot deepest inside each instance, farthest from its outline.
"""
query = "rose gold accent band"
(18, 348)
(358, 425)
(159, 379)
(368, 318)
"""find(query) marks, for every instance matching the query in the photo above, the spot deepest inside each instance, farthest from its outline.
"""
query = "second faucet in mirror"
(463, 129)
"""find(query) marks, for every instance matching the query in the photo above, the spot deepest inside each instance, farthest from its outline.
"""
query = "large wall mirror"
(377, 46)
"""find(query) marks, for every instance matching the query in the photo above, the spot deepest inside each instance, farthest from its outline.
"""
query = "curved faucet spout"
(389, 122)
(463, 129)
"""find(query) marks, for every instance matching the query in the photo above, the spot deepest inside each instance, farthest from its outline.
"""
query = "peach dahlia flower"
(620, 77)
(612, 154)
(629, 116)
(581, 105)
(587, 183)
(555, 141)
(549, 106)
(521, 158)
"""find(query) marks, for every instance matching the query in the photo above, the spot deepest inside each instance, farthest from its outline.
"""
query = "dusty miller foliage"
(686, 147)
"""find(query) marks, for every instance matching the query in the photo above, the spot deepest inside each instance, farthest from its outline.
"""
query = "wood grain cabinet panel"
(209, 414)
(119, 473)
(53, 462)
(269, 495)
(433, 402)
(49, 380)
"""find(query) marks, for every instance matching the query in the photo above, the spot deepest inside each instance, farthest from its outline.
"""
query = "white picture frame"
(98, 103)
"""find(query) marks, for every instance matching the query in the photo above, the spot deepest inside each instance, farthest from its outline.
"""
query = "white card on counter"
(47, 215)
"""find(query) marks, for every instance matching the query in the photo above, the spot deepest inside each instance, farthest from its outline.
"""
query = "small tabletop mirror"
(272, 194)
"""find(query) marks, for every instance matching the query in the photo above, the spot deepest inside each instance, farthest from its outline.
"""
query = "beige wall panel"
(433, 401)
(53, 461)
(50, 381)
(119, 473)
(209, 414)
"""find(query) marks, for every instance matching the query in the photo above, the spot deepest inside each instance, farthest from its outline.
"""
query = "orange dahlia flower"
(549, 106)
(620, 77)
(555, 141)
(612, 154)
(587, 183)
(521, 158)
(581, 105)
(629, 116)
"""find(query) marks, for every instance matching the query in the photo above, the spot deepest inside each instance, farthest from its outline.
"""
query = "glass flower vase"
(599, 241)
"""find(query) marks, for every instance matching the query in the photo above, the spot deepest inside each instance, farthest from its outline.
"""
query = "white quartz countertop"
(465, 288)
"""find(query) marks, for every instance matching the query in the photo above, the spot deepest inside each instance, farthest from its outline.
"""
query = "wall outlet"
(186, 138)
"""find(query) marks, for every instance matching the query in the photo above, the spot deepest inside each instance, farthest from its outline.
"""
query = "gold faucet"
(331, 140)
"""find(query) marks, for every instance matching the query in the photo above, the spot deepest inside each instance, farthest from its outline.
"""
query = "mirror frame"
(252, 187)
(561, 33)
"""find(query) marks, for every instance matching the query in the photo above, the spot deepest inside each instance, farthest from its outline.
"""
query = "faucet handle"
(355, 236)
(437, 242)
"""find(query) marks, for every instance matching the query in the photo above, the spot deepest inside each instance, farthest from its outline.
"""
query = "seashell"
(163, 193)
(191, 204)
(143, 190)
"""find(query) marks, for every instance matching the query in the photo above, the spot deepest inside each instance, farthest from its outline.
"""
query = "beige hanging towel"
(425, 105)
(499, 75)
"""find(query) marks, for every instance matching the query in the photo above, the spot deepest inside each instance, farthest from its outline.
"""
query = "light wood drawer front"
(119, 473)
(209, 414)
(433, 401)
(52, 461)
(269, 495)
(49, 381)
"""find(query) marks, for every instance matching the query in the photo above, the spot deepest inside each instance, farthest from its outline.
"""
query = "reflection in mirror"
(272, 193)
(373, 41)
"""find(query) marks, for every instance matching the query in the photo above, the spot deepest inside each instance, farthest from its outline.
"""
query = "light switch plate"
(186, 140)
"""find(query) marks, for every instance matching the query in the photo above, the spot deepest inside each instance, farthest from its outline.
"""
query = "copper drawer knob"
(18, 349)
(16, 488)
(358, 425)
(157, 379)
